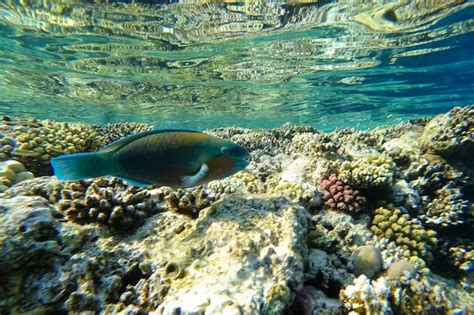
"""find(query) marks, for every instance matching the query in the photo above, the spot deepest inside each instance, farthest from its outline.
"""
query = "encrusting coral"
(339, 196)
(409, 235)
(371, 171)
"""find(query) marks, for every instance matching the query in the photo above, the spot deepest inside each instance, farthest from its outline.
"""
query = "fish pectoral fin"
(134, 182)
(189, 181)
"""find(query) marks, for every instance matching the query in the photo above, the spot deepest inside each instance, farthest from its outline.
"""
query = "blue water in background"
(213, 65)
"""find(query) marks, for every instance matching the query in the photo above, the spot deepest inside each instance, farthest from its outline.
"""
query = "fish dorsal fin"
(127, 139)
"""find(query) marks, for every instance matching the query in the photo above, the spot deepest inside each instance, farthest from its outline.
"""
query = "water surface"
(197, 64)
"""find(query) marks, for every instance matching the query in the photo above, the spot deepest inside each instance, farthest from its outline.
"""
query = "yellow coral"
(298, 192)
(251, 182)
(374, 170)
(411, 238)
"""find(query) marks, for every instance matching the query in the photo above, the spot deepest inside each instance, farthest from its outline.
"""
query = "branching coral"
(408, 234)
(338, 196)
(33, 142)
(371, 171)
(446, 209)
(367, 297)
(112, 132)
(430, 172)
(107, 201)
(186, 201)
(463, 260)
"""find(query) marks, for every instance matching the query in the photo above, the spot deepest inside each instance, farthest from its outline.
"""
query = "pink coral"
(339, 196)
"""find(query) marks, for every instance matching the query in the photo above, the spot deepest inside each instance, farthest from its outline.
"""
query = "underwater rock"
(28, 230)
(451, 134)
(327, 272)
(242, 254)
(338, 196)
(367, 260)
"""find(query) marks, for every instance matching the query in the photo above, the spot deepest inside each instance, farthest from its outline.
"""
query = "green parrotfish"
(164, 157)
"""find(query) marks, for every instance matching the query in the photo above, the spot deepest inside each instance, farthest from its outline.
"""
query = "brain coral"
(449, 133)
(12, 172)
(338, 196)
(373, 170)
(411, 238)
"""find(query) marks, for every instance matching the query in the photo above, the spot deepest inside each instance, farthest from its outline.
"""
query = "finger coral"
(106, 201)
(34, 142)
(185, 201)
(112, 132)
(339, 196)
(409, 235)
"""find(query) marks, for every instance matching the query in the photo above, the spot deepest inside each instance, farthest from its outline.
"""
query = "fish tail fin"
(81, 165)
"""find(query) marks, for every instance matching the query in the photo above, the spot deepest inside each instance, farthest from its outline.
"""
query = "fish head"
(228, 159)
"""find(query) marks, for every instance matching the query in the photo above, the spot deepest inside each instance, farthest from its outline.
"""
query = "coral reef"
(338, 196)
(371, 171)
(409, 235)
(34, 142)
(367, 297)
(265, 240)
(447, 208)
(106, 201)
(113, 132)
(451, 133)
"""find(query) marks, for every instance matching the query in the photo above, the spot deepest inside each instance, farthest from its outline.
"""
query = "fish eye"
(225, 151)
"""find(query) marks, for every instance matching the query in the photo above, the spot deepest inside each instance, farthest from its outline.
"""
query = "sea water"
(209, 64)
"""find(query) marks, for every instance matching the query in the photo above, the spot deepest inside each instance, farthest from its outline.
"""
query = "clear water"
(324, 63)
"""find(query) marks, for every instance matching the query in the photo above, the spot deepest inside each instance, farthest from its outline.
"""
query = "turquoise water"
(202, 65)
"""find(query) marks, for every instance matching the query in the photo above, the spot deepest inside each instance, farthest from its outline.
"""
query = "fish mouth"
(241, 164)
